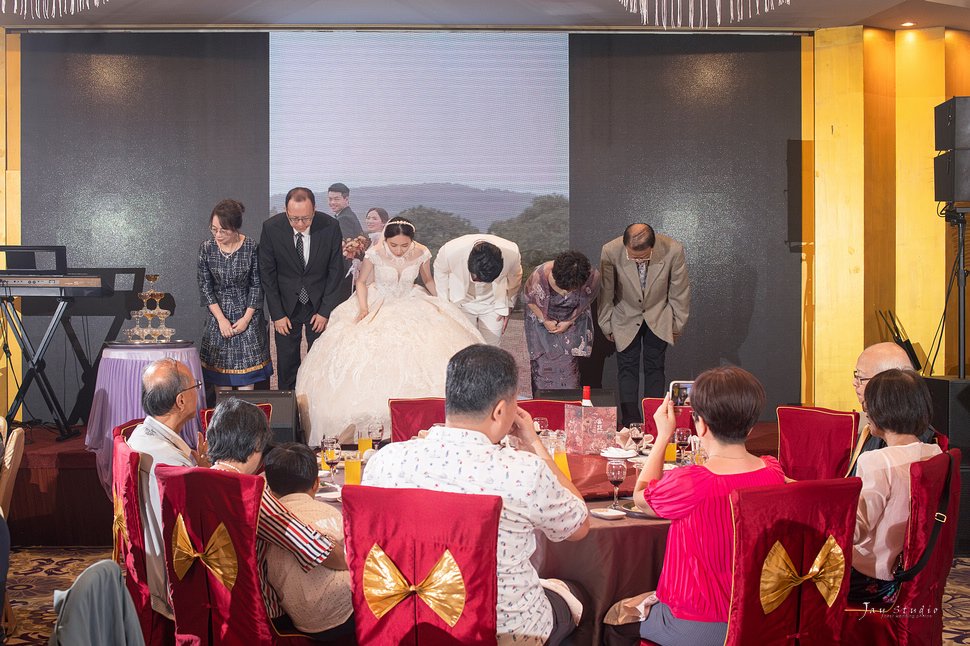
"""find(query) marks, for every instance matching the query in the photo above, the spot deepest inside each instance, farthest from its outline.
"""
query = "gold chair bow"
(779, 576)
(385, 587)
(219, 555)
(119, 529)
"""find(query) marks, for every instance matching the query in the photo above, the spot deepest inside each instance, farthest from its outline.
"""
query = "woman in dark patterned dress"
(235, 341)
(558, 322)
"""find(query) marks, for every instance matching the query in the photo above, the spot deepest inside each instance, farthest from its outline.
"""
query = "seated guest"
(169, 394)
(694, 591)
(874, 360)
(464, 456)
(237, 437)
(318, 602)
(899, 409)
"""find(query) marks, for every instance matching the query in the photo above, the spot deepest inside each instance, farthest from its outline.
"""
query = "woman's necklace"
(235, 248)
(398, 260)
(227, 466)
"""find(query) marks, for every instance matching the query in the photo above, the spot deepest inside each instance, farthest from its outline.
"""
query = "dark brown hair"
(381, 213)
(230, 214)
(898, 401)
(300, 194)
(571, 270)
(729, 400)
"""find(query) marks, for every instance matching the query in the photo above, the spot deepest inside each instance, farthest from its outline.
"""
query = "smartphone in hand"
(680, 392)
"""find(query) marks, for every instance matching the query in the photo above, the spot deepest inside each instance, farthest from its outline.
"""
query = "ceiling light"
(908, 23)
(47, 9)
(696, 13)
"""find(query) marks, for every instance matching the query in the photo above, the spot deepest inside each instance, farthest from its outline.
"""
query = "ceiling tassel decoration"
(47, 9)
(671, 13)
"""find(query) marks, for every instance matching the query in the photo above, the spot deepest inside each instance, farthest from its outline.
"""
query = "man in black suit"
(338, 197)
(301, 265)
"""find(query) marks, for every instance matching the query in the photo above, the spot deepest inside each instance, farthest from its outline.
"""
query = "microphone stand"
(957, 216)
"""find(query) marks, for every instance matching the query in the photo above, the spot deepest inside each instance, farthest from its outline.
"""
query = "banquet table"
(117, 396)
(617, 558)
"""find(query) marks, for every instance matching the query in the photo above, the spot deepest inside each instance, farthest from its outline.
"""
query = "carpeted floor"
(36, 572)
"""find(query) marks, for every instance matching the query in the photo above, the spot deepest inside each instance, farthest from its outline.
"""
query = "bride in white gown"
(391, 340)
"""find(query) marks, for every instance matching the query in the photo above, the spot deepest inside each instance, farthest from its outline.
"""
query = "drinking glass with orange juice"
(352, 469)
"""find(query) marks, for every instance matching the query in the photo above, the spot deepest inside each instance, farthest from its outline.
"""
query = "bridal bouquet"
(355, 247)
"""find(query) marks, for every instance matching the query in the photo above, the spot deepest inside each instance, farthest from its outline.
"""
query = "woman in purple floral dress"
(558, 321)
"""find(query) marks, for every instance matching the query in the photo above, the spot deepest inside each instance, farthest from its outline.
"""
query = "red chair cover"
(427, 523)
(157, 629)
(650, 406)
(802, 516)
(205, 415)
(126, 428)
(206, 611)
(815, 443)
(552, 410)
(408, 416)
(941, 440)
(916, 617)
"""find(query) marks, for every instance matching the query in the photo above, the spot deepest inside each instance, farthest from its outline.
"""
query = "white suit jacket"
(452, 280)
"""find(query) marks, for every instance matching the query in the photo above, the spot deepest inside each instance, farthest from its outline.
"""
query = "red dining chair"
(129, 539)
(552, 410)
(408, 416)
(205, 415)
(650, 406)
(125, 430)
(785, 530)
(212, 606)
(916, 616)
(815, 443)
(422, 538)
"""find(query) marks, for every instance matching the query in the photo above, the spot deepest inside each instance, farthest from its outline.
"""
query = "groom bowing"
(300, 265)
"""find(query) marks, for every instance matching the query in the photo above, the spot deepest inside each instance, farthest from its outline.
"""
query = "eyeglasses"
(216, 231)
(197, 384)
(638, 260)
(859, 379)
(307, 218)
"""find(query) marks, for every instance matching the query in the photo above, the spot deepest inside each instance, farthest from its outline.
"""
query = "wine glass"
(636, 434)
(150, 279)
(376, 433)
(682, 439)
(331, 456)
(616, 474)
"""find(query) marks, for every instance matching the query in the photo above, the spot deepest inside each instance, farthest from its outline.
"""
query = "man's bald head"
(639, 237)
(161, 384)
(877, 358)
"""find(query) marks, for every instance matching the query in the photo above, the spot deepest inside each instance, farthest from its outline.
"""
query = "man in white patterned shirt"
(464, 456)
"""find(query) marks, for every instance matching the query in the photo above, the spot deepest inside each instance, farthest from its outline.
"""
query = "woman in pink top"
(695, 583)
(899, 409)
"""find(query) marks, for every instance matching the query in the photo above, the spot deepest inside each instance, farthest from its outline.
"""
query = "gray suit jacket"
(663, 305)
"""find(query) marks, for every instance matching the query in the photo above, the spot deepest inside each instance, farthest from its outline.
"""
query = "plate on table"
(631, 510)
(608, 514)
(616, 453)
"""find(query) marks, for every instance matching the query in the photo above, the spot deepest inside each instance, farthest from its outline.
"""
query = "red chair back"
(904, 623)
(206, 610)
(130, 546)
(941, 440)
(408, 416)
(205, 415)
(126, 429)
(801, 516)
(650, 406)
(414, 527)
(552, 410)
(815, 443)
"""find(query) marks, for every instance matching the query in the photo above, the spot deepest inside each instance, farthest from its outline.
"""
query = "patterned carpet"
(36, 572)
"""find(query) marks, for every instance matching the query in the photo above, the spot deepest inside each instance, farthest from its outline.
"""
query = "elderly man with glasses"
(301, 266)
(877, 358)
(170, 397)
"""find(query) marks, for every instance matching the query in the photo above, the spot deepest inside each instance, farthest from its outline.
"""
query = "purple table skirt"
(117, 398)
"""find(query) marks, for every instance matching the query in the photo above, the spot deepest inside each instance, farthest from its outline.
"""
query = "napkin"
(623, 439)
(633, 609)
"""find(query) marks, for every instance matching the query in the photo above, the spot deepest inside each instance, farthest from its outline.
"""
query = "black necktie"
(304, 297)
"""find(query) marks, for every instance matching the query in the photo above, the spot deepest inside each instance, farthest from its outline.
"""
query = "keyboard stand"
(36, 365)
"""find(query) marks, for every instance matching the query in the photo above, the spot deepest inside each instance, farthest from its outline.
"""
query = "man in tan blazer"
(643, 306)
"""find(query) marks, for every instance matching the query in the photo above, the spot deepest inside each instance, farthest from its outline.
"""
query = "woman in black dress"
(235, 341)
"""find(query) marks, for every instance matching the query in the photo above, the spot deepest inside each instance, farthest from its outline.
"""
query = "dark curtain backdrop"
(691, 133)
(129, 141)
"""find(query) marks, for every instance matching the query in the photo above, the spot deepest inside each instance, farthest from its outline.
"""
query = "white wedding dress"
(399, 350)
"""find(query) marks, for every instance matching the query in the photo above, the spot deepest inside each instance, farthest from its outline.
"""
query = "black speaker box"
(951, 416)
(951, 176)
(285, 420)
(953, 123)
